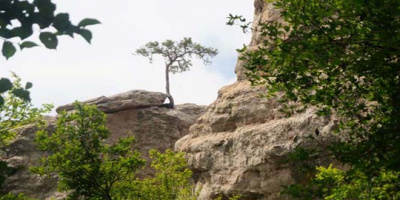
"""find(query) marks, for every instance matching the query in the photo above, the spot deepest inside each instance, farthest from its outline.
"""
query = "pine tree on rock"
(177, 56)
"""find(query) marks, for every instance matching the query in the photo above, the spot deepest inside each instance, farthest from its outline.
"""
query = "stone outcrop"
(240, 143)
(137, 113)
(124, 101)
(154, 127)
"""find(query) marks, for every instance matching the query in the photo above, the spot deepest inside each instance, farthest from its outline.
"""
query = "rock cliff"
(138, 113)
(239, 144)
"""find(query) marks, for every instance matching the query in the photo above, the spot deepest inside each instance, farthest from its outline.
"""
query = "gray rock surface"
(123, 101)
(239, 144)
(23, 154)
(154, 127)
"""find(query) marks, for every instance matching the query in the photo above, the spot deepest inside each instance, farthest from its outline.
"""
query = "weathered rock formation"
(137, 113)
(239, 144)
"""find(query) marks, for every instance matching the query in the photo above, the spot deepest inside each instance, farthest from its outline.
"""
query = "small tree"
(177, 56)
(86, 165)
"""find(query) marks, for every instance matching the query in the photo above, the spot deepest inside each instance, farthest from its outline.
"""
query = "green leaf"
(28, 85)
(88, 22)
(5, 33)
(5, 85)
(61, 22)
(49, 40)
(27, 44)
(86, 34)
(46, 8)
(8, 49)
(24, 31)
(1, 101)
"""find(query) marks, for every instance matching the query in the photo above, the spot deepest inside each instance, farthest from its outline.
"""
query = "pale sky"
(79, 71)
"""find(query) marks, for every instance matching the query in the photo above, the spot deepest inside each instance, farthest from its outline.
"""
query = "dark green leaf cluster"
(18, 18)
(86, 165)
(342, 57)
(7, 86)
(177, 55)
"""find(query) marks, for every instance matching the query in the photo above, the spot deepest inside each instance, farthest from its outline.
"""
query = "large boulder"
(123, 101)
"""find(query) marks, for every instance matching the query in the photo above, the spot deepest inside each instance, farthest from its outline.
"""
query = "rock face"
(153, 127)
(239, 144)
(137, 113)
(23, 154)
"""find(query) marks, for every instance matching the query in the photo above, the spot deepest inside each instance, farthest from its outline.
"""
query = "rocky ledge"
(134, 99)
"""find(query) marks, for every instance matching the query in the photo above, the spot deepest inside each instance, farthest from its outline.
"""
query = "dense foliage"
(177, 56)
(342, 57)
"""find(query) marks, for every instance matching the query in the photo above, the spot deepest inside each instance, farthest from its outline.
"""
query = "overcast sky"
(79, 71)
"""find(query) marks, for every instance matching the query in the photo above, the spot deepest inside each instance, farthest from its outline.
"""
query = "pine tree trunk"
(171, 100)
